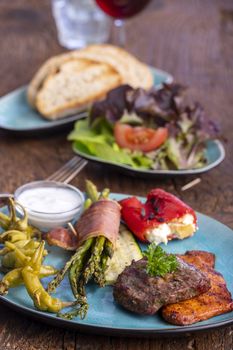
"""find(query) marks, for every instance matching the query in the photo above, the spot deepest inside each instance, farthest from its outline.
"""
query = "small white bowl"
(47, 217)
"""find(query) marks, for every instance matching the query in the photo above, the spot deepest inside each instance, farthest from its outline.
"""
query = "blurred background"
(192, 40)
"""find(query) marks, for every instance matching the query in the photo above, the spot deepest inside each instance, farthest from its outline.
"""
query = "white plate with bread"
(67, 84)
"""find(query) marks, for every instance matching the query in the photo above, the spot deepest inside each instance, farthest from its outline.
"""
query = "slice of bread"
(49, 66)
(69, 82)
(72, 88)
(131, 70)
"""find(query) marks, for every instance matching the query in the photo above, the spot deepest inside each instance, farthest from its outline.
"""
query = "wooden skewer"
(71, 227)
(191, 184)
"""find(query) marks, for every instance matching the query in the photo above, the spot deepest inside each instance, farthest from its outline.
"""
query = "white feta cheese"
(183, 227)
(159, 234)
(187, 219)
(179, 228)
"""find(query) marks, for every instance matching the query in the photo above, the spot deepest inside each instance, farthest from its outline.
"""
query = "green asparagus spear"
(80, 254)
(109, 248)
(99, 276)
(81, 311)
(105, 193)
(81, 268)
(94, 259)
(76, 270)
(92, 191)
(87, 203)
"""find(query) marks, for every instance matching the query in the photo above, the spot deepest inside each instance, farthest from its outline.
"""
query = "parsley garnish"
(159, 262)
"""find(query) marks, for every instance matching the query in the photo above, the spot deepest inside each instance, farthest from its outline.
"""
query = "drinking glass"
(80, 22)
(119, 10)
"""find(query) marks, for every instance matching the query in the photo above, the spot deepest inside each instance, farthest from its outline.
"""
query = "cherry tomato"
(139, 138)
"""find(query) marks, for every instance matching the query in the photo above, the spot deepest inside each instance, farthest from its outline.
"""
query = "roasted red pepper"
(160, 207)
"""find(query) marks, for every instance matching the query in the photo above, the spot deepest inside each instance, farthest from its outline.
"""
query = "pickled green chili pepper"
(30, 244)
(13, 236)
(18, 259)
(10, 280)
(4, 251)
(13, 223)
(4, 221)
(19, 244)
(26, 246)
(16, 223)
(14, 278)
(42, 300)
(10, 260)
(30, 274)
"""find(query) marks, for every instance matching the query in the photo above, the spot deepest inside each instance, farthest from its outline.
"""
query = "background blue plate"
(106, 317)
(17, 116)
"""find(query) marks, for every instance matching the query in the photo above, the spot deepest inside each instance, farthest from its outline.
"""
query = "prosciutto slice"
(62, 237)
(101, 219)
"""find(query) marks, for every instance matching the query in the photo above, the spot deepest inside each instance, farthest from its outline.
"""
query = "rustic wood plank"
(192, 40)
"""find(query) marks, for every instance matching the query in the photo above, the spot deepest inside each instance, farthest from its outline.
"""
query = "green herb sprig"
(159, 263)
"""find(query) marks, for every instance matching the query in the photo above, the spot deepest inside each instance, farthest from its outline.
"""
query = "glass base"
(80, 23)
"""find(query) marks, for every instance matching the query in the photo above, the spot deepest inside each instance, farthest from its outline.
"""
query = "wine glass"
(119, 10)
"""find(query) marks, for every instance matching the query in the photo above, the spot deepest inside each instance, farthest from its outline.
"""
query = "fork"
(69, 170)
(65, 174)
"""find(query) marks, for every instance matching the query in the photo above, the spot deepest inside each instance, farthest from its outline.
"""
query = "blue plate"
(17, 116)
(215, 154)
(106, 317)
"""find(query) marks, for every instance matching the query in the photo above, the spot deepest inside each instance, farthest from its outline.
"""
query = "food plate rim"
(109, 330)
(51, 124)
(63, 121)
(159, 171)
(113, 330)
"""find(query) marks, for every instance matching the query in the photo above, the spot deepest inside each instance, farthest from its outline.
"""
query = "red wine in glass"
(119, 10)
(122, 8)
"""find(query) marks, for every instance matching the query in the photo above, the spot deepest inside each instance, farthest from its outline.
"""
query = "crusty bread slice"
(69, 82)
(131, 70)
(72, 88)
(50, 66)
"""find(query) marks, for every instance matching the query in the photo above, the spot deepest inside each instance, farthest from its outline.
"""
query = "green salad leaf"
(187, 126)
(99, 141)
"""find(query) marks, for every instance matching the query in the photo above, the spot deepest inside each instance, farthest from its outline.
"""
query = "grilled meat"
(217, 300)
(198, 258)
(138, 292)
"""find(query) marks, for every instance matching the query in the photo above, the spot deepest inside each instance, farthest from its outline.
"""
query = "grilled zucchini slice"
(126, 250)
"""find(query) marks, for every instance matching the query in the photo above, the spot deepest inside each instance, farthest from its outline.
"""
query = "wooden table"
(190, 39)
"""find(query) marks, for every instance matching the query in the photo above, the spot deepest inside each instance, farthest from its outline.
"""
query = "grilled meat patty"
(136, 291)
(198, 258)
(217, 300)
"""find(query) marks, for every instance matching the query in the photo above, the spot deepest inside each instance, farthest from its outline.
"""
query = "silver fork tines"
(69, 170)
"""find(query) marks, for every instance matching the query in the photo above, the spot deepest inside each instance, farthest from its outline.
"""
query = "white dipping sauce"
(49, 204)
(50, 200)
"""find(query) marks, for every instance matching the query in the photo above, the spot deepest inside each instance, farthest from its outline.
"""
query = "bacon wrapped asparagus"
(97, 231)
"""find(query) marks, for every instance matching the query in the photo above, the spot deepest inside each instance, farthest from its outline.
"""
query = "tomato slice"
(139, 138)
